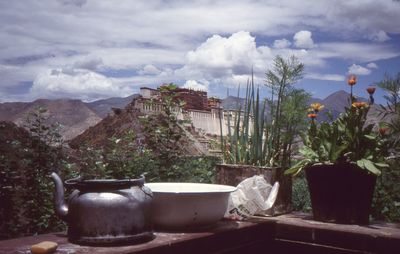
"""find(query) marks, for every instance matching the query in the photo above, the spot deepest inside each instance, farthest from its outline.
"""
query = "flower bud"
(312, 115)
(371, 90)
(352, 80)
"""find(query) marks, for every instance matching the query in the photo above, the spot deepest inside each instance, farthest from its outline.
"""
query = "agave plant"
(259, 142)
(248, 142)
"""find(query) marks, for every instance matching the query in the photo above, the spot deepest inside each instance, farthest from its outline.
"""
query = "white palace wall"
(204, 121)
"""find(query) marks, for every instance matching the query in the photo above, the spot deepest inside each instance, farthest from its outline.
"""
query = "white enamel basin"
(188, 205)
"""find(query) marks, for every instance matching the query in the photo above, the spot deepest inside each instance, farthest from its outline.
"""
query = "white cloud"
(193, 84)
(228, 60)
(223, 57)
(149, 69)
(302, 39)
(242, 80)
(78, 3)
(81, 84)
(380, 36)
(360, 52)
(102, 35)
(280, 44)
(358, 70)
(89, 63)
(237, 52)
(330, 77)
(372, 66)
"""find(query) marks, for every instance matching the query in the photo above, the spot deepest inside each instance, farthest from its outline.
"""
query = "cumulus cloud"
(380, 36)
(219, 56)
(372, 66)
(280, 44)
(237, 52)
(193, 84)
(228, 60)
(149, 69)
(358, 70)
(81, 84)
(302, 39)
(223, 60)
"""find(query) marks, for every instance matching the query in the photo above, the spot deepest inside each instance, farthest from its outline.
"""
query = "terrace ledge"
(290, 233)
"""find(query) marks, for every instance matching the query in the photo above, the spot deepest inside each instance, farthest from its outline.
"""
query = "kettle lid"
(103, 184)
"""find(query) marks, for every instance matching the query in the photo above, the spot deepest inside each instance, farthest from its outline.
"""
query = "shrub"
(25, 187)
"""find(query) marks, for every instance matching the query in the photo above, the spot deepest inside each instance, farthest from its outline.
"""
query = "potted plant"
(342, 159)
(247, 147)
(254, 145)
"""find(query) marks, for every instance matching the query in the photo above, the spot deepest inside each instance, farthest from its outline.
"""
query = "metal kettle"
(105, 211)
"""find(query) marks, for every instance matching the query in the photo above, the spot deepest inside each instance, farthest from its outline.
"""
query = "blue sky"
(87, 49)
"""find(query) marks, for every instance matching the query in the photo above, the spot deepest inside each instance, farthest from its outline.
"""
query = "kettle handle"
(59, 202)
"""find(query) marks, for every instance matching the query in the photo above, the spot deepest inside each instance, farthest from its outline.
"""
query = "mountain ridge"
(76, 116)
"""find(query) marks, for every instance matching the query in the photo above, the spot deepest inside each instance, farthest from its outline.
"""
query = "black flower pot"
(340, 193)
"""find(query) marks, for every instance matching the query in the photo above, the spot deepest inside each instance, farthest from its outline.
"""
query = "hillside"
(9, 110)
(12, 136)
(73, 115)
(116, 125)
(103, 107)
(77, 116)
(232, 102)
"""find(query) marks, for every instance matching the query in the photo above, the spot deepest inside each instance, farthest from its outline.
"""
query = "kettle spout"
(59, 202)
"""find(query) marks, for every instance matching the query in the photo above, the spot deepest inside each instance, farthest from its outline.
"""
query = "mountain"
(9, 110)
(335, 103)
(103, 107)
(74, 115)
(77, 116)
(232, 102)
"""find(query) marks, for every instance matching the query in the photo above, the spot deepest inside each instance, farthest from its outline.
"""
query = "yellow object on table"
(44, 247)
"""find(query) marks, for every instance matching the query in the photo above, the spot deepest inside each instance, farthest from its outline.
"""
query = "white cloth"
(254, 196)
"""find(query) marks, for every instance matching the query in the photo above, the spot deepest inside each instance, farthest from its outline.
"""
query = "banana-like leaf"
(298, 167)
(368, 165)
(381, 165)
(370, 137)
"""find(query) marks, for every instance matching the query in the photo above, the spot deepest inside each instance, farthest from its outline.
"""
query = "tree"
(391, 85)
(26, 160)
(280, 80)
(387, 195)
(294, 108)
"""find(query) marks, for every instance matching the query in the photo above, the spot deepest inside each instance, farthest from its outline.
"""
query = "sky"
(95, 49)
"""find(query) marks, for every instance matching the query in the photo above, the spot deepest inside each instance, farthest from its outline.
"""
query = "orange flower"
(359, 104)
(352, 80)
(371, 90)
(317, 107)
(312, 115)
(383, 131)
